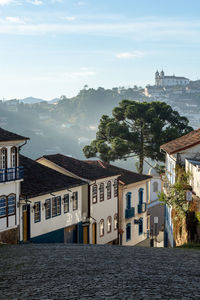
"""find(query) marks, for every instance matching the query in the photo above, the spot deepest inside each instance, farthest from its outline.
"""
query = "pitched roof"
(126, 176)
(80, 168)
(10, 136)
(176, 77)
(40, 180)
(184, 142)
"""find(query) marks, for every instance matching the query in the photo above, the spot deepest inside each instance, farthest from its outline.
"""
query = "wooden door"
(25, 223)
(94, 233)
(85, 235)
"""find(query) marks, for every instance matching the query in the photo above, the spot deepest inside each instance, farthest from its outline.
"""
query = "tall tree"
(136, 129)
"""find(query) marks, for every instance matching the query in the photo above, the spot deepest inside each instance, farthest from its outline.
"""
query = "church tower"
(157, 77)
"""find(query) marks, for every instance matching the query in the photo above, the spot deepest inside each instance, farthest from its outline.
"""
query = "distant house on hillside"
(162, 80)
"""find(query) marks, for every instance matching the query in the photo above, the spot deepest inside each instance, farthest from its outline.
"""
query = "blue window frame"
(37, 212)
(47, 209)
(140, 195)
(56, 206)
(128, 232)
(11, 205)
(128, 200)
(66, 203)
(140, 226)
(2, 206)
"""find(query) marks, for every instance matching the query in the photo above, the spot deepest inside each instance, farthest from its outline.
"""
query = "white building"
(11, 175)
(102, 195)
(187, 146)
(155, 209)
(133, 197)
(162, 80)
(52, 207)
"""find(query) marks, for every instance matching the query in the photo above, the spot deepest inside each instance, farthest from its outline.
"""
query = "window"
(3, 158)
(2, 206)
(94, 193)
(128, 232)
(11, 204)
(115, 222)
(37, 212)
(13, 157)
(109, 190)
(56, 206)
(47, 209)
(155, 187)
(109, 224)
(75, 200)
(115, 188)
(128, 200)
(140, 194)
(141, 226)
(66, 203)
(101, 190)
(101, 228)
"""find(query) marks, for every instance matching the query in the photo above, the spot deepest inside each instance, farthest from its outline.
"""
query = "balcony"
(142, 208)
(11, 174)
(129, 213)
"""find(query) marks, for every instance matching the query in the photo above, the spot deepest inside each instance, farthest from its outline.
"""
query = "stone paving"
(60, 271)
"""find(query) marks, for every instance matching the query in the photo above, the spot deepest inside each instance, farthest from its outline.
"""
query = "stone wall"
(10, 236)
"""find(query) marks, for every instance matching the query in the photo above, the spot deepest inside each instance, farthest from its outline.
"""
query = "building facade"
(102, 213)
(133, 221)
(162, 80)
(11, 176)
(52, 206)
(176, 152)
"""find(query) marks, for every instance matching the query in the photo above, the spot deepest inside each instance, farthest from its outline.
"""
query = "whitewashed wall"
(10, 187)
(154, 195)
(102, 210)
(135, 237)
(57, 222)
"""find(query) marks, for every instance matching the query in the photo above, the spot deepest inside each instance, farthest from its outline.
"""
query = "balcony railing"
(129, 213)
(142, 208)
(11, 174)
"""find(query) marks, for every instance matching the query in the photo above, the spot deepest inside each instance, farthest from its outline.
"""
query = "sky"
(50, 48)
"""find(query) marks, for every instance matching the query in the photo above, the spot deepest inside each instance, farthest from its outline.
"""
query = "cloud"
(151, 30)
(5, 2)
(69, 18)
(56, 1)
(35, 2)
(128, 55)
(81, 3)
(15, 20)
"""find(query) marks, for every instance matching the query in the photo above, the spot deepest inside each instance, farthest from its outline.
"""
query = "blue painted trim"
(140, 227)
(128, 200)
(56, 236)
(128, 232)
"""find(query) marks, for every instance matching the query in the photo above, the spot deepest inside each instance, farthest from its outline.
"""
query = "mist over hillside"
(65, 125)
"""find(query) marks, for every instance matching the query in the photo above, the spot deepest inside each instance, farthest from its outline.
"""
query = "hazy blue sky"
(53, 47)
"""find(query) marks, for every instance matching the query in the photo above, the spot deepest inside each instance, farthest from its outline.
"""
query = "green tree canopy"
(136, 129)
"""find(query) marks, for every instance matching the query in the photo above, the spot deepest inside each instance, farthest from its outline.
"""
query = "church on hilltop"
(162, 80)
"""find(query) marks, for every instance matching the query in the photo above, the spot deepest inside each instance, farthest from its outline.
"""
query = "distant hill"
(32, 100)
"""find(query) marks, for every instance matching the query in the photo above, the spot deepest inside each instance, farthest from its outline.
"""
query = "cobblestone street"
(98, 272)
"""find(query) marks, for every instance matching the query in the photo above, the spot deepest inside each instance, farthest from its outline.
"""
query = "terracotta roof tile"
(41, 180)
(126, 176)
(80, 167)
(184, 142)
